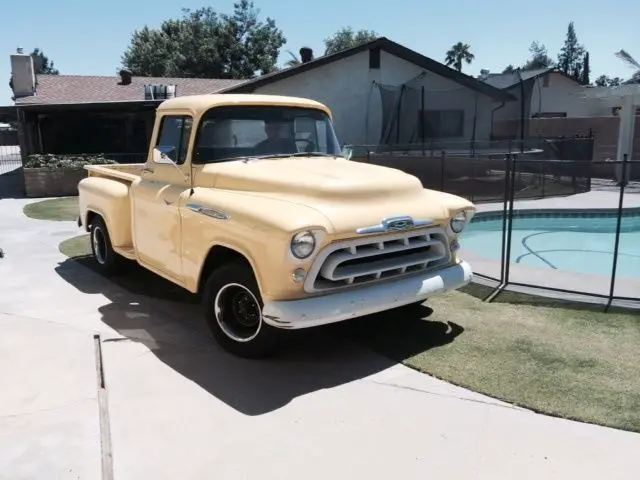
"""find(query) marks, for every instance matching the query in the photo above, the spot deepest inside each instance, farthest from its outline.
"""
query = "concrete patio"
(179, 407)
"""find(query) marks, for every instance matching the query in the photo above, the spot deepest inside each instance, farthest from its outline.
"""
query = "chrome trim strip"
(395, 224)
(208, 211)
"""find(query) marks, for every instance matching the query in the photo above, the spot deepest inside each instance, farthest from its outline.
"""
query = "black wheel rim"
(99, 245)
(238, 312)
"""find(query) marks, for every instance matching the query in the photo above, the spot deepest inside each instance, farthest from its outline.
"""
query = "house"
(92, 114)
(549, 93)
(556, 105)
(384, 93)
(380, 93)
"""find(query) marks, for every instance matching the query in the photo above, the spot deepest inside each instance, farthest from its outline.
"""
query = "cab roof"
(199, 104)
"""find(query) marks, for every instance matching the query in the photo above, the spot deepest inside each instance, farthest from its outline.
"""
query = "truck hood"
(314, 177)
(349, 194)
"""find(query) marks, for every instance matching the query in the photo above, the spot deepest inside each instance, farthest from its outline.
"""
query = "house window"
(374, 58)
(443, 123)
(545, 80)
(173, 139)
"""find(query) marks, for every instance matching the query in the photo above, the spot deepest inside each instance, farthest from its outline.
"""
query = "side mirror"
(347, 152)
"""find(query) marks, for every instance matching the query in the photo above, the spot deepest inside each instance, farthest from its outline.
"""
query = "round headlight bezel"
(305, 239)
(459, 222)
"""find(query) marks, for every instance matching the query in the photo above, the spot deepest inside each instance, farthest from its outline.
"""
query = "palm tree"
(294, 62)
(457, 54)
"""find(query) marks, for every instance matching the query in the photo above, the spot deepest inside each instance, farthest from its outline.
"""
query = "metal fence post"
(616, 244)
(512, 192)
(505, 226)
(442, 170)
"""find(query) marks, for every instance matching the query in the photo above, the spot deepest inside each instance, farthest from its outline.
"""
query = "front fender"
(258, 228)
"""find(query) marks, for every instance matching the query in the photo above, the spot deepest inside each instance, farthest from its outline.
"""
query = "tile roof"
(60, 89)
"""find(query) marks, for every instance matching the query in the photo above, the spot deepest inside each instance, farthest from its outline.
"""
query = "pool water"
(582, 244)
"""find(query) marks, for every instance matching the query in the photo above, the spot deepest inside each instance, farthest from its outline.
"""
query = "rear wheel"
(233, 310)
(107, 260)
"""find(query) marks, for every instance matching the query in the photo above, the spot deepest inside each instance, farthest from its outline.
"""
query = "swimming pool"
(581, 242)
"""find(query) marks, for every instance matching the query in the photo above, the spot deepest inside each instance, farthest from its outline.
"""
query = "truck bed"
(124, 171)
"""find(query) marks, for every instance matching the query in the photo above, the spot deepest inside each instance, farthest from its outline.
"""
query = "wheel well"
(90, 217)
(218, 256)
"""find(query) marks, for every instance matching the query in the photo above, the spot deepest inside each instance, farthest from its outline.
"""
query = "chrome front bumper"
(336, 307)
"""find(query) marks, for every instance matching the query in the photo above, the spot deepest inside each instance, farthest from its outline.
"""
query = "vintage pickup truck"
(250, 202)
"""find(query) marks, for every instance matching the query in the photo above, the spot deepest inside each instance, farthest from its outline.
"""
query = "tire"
(233, 310)
(107, 260)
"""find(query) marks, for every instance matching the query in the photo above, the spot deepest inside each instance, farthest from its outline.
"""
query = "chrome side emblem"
(209, 212)
(395, 224)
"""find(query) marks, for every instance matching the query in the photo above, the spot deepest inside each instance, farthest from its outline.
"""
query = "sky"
(87, 37)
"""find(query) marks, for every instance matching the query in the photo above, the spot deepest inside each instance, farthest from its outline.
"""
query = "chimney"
(306, 54)
(23, 78)
(125, 76)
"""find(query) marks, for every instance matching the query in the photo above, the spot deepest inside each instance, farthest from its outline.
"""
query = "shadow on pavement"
(172, 327)
(11, 182)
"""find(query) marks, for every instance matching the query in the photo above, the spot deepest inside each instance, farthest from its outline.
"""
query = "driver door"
(157, 197)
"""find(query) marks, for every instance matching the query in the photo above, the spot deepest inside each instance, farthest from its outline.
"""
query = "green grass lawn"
(61, 209)
(544, 355)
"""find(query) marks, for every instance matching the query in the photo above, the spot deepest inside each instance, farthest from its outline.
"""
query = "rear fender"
(110, 199)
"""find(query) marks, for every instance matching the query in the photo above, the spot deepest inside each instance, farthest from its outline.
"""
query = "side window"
(173, 140)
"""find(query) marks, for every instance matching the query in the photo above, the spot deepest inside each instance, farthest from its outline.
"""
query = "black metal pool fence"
(582, 235)
(584, 215)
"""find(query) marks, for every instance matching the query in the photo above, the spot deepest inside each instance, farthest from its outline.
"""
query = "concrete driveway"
(175, 406)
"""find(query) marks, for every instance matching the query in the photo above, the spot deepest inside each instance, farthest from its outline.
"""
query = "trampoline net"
(413, 115)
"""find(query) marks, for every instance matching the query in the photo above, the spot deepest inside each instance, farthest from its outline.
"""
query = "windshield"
(228, 133)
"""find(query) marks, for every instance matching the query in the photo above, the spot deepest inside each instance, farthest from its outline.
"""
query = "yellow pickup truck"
(250, 202)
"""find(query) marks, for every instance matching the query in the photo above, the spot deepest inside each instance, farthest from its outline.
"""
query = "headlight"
(303, 244)
(458, 222)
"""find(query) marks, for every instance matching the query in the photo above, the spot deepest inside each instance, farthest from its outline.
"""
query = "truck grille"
(362, 260)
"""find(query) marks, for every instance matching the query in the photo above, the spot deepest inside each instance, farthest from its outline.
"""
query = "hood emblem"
(395, 224)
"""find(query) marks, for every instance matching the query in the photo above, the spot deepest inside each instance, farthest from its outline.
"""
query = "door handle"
(147, 170)
(167, 202)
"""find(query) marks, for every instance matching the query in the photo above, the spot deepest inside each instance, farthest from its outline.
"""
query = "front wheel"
(233, 310)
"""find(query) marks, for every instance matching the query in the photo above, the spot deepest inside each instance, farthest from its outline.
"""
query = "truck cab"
(249, 201)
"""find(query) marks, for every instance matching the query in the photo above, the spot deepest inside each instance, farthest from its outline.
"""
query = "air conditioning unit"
(159, 92)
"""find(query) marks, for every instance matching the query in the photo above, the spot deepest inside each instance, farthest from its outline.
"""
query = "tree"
(509, 69)
(206, 44)
(539, 57)
(294, 61)
(586, 70)
(571, 56)
(606, 81)
(458, 53)
(346, 38)
(41, 63)
(635, 79)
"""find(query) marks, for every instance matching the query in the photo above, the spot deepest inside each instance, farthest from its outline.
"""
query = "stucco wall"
(347, 88)
(565, 95)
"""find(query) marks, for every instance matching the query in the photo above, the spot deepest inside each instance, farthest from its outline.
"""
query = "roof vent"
(159, 92)
(306, 54)
(126, 76)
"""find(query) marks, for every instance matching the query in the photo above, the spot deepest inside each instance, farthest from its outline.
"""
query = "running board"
(126, 252)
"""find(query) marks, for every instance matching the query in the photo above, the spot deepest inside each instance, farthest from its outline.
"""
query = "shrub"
(52, 161)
